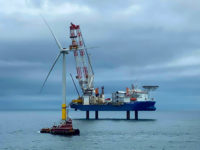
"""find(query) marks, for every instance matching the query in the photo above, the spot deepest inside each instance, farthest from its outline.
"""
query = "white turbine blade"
(57, 42)
(49, 72)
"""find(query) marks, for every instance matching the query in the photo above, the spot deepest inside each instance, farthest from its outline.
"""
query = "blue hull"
(138, 105)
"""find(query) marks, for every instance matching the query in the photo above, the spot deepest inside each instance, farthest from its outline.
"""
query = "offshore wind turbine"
(66, 124)
(63, 52)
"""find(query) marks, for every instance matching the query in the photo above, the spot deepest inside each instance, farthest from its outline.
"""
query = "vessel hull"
(132, 106)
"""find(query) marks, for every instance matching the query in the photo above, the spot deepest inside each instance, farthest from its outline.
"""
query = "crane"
(85, 74)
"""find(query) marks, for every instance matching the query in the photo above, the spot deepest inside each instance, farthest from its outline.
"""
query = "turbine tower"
(63, 52)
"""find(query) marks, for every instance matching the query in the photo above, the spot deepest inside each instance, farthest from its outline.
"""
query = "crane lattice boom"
(84, 70)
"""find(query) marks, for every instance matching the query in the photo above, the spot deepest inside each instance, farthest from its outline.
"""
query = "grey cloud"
(131, 36)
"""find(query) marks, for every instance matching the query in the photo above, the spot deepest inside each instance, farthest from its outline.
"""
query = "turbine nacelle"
(64, 50)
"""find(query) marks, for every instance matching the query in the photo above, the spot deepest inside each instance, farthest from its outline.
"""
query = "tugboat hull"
(66, 132)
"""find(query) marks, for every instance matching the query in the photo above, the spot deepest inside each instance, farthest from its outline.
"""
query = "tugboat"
(65, 129)
(62, 129)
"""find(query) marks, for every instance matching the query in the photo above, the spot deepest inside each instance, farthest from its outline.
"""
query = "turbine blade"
(57, 42)
(49, 72)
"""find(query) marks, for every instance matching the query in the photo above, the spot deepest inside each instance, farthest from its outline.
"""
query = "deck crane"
(85, 74)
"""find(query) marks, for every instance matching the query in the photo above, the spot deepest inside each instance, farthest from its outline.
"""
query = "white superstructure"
(131, 95)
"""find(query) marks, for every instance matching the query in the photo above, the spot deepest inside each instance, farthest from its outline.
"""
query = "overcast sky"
(144, 42)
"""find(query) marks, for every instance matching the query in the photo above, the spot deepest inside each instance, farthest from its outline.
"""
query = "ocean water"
(159, 130)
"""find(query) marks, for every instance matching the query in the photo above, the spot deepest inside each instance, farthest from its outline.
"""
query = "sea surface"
(159, 130)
